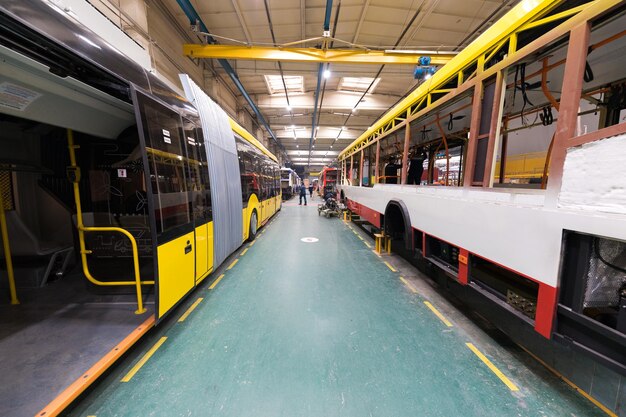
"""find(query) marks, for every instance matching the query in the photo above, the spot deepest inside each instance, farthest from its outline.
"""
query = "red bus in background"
(327, 181)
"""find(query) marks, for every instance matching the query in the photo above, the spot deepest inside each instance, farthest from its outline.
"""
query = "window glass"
(197, 171)
(117, 196)
(249, 165)
(164, 147)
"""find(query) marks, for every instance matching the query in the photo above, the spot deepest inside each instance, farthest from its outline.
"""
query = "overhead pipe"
(321, 101)
(280, 66)
(406, 29)
(317, 93)
(194, 19)
(329, 8)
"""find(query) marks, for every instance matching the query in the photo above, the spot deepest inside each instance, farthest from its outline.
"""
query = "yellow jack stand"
(382, 240)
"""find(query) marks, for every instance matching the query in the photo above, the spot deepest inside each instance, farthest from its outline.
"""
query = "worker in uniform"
(416, 168)
(391, 172)
(302, 194)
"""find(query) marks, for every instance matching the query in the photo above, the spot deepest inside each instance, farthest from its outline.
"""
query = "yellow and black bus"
(101, 156)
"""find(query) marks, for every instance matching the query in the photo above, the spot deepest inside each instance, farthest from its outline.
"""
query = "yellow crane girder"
(313, 55)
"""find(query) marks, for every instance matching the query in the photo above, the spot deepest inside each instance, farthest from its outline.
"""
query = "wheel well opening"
(397, 225)
(394, 222)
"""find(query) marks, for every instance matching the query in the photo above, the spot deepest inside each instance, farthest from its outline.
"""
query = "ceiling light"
(327, 73)
(288, 107)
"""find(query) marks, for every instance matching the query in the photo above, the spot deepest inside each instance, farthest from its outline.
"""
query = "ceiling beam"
(242, 21)
(357, 32)
(423, 18)
(302, 19)
(313, 55)
(332, 100)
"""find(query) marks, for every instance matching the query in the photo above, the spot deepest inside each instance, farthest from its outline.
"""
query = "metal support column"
(405, 154)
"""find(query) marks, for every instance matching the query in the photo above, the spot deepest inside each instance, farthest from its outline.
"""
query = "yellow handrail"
(81, 236)
(7, 251)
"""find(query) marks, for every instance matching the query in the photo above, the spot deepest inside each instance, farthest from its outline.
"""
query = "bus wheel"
(254, 222)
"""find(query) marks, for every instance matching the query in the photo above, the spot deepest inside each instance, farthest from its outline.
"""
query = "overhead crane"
(315, 55)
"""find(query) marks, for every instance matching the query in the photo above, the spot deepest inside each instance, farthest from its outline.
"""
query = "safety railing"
(74, 173)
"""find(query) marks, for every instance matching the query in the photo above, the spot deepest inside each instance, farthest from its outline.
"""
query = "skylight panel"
(359, 84)
(294, 84)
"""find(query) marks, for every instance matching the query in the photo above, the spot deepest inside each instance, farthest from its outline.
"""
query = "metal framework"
(467, 69)
(468, 72)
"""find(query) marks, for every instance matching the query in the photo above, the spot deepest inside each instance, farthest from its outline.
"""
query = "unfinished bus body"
(502, 177)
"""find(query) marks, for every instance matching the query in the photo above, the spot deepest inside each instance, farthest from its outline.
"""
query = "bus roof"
(247, 136)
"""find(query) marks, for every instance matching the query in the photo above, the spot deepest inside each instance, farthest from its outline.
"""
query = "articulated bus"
(289, 182)
(509, 182)
(105, 166)
(327, 181)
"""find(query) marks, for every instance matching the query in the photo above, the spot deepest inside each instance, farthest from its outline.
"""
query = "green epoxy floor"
(321, 329)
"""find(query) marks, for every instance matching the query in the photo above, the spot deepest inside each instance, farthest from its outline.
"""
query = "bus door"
(162, 138)
(199, 188)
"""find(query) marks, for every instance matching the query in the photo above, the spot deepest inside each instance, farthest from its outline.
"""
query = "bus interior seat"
(25, 246)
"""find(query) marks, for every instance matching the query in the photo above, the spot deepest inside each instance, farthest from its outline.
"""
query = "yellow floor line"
(493, 368)
(243, 252)
(216, 281)
(190, 309)
(252, 243)
(367, 244)
(390, 267)
(232, 264)
(571, 384)
(143, 360)
(438, 314)
(376, 253)
(409, 285)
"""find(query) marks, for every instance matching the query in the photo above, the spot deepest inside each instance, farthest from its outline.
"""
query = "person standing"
(311, 190)
(416, 168)
(302, 194)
